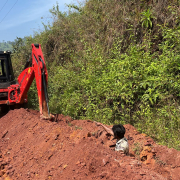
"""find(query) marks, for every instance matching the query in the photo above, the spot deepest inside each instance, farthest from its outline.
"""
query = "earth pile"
(31, 148)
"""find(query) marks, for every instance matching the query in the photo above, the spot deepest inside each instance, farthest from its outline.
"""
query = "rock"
(2, 173)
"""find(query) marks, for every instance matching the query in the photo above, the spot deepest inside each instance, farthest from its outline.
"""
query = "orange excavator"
(14, 92)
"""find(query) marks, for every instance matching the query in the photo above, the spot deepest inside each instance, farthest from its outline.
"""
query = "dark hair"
(118, 131)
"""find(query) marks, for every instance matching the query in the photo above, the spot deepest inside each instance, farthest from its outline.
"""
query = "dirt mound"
(31, 148)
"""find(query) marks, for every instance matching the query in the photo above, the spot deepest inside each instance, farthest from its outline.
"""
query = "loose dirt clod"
(31, 148)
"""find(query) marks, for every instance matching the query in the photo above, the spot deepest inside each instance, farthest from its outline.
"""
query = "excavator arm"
(18, 92)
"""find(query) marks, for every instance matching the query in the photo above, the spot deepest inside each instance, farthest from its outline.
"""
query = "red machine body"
(17, 92)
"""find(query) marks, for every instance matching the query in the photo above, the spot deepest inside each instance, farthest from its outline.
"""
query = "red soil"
(31, 148)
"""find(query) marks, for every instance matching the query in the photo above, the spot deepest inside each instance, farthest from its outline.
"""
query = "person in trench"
(118, 132)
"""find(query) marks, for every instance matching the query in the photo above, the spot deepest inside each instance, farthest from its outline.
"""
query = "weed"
(70, 124)
(147, 19)
(160, 162)
(78, 127)
(137, 148)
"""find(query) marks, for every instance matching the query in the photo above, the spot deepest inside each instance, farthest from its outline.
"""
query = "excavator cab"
(6, 71)
(6, 79)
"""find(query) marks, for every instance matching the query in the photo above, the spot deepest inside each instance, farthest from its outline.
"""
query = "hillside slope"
(31, 148)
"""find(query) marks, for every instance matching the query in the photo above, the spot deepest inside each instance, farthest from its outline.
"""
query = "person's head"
(118, 131)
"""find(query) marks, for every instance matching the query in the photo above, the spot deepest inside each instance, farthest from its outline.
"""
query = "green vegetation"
(137, 148)
(4, 46)
(114, 63)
